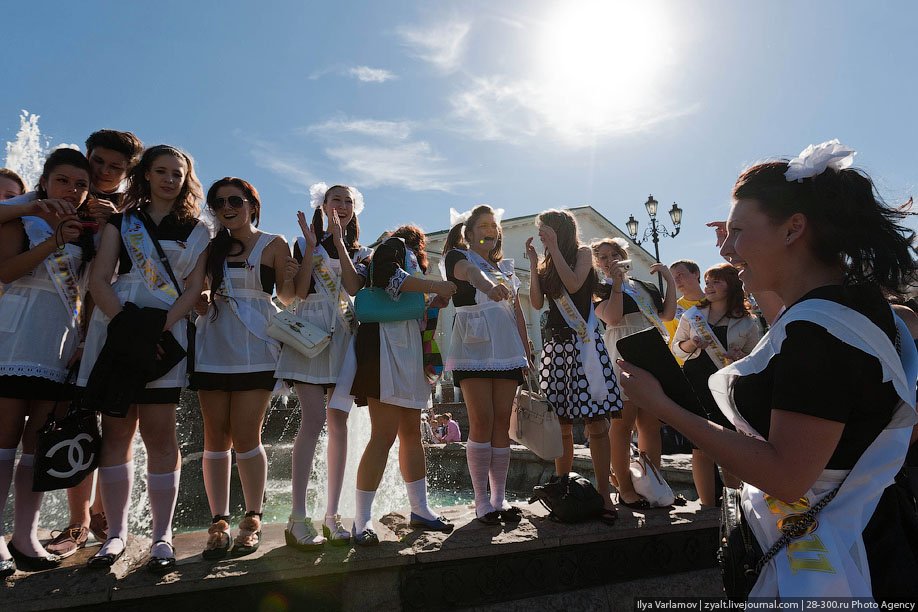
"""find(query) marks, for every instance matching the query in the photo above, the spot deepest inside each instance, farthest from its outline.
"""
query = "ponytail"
(221, 246)
(455, 239)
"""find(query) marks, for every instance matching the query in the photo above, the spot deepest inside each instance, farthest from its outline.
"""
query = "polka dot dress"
(564, 383)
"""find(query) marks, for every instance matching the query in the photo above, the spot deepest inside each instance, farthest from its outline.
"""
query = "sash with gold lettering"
(329, 283)
(501, 274)
(828, 560)
(240, 300)
(586, 345)
(645, 304)
(714, 349)
(60, 266)
(143, 255)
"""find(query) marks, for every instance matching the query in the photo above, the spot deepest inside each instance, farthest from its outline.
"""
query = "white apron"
(831, 560)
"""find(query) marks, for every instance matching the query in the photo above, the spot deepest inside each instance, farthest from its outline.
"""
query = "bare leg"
(703, 475)
(620, 440)
(565, 462)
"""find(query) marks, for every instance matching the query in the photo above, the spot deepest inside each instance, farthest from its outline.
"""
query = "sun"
(598, 63)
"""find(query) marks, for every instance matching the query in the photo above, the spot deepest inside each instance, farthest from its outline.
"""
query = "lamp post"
(656, 229)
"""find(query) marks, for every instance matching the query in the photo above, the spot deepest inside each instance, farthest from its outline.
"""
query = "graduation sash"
(586, 345)
(501, 274)
(700, 326)
(143, 256)
(254, 320)
(828, 560)
(59, 265)
(329, 283)
(646, 306)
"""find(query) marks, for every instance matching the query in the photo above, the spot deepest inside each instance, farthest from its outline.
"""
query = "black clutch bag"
(648, 350)
(173, 353)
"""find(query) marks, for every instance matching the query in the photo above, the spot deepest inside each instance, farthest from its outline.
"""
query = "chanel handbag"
(66, 450)
(648, 482)
(534, 424)
(374, 305)
(299, 334)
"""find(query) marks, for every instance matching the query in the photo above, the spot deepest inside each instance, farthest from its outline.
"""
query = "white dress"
(131, 287)
(236, 341)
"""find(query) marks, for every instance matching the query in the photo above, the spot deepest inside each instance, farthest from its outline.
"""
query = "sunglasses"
(236, 202)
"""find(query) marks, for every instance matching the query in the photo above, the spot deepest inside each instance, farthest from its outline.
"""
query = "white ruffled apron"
(148, 285)
(485, 336)
(587, 351)
(830, 560)
(237, 340)
(40, 311)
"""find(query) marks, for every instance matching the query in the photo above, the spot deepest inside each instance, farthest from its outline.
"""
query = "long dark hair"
(70, 157)
(187, 204)
(351, 230)
(458, 237)
(737, 305)
(223, 245)
(851, 226)
(565, 227)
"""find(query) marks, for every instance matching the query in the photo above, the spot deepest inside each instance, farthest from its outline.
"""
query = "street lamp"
(655, 230)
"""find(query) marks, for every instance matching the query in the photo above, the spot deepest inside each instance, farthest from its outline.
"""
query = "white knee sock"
(417, 497)
(478, 455)
(25, 509)
(312, 418)
(253, 472)
(216, 467)
(7, 459)
(363, 515)
(162, 490)
(497, 475)
(115, 484)
(337, 462)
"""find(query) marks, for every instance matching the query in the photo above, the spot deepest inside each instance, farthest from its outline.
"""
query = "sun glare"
(598, 62)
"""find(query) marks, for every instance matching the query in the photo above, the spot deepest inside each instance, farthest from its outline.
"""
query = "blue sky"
(526, 105)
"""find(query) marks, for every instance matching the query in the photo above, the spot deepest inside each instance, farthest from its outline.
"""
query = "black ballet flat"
(162, 565)
(32, 564)
(490, 518)
(99, 561)
(7, 568)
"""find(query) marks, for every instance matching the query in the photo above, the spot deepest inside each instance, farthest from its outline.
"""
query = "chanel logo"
(74, 456)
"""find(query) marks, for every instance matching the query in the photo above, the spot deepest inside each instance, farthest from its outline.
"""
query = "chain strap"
(796, 528)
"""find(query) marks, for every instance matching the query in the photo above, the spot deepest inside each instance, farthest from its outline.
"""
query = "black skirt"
(515, 374)
(247, 381)
(35, 388)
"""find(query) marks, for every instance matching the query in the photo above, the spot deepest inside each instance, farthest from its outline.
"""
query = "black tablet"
(648, 350)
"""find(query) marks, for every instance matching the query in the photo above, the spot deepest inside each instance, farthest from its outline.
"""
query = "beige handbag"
(299, 334)
(534, 424)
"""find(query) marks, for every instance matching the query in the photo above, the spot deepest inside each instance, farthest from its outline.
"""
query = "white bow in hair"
(317, 193)
(815, 159)
(457, 217)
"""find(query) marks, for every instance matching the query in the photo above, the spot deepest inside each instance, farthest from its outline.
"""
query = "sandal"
(100, 561)
(218, 539)
(608, 516)
(367, 537)
(249, 536)
(339, 536)
(638, 504)
(309, 540)
(491, 518)
(162, 565)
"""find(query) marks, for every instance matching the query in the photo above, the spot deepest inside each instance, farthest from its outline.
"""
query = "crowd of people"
(113, 243)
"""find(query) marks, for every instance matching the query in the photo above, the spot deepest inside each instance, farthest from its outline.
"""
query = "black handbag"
(569, 499)
(67, 449)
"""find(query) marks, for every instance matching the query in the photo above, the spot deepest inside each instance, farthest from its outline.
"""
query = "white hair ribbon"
(317, 193)
(457, 217)
(815, 159)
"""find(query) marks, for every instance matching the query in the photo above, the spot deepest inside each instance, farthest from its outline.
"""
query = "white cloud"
(410, 165)
(291, 169)
(395, 130)
(442, 44)
(371, 75)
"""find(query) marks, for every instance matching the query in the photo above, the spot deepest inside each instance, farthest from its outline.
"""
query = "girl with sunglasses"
(236, 359)
(43, 257)
(160, 206)
(327, 279)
